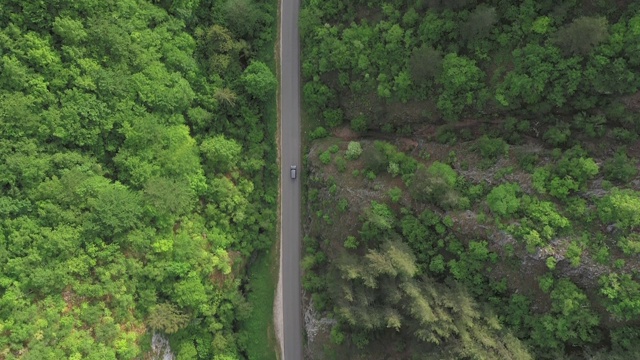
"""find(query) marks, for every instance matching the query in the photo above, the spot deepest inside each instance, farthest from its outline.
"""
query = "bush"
(351, 243)
(325, 157)
(354, 149)
(557, 135)
(318, 133)
(341, 163)
(395, 194)
(359, 124)
(620, 168)
(492, 148)
(333, 117)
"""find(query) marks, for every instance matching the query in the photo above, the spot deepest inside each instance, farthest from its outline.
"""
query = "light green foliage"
(318, 133)
(461, 80)
(620, 207)
(574, 253)
(221, 154)
(541, 25)
(127, 147)
(569, 174)
(503, 199)
(351, 242)
(325, 157)
(630, 244)
(436, 184)
(393, 169)
(395, 194)
(622, 295)
(354, 149)
(570, 319)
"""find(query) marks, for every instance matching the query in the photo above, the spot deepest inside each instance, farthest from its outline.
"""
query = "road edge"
(278, 320)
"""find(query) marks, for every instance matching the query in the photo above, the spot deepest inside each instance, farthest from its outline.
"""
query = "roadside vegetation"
(138, 175)
(472, 183)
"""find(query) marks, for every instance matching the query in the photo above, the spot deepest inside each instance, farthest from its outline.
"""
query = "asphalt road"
(290, 154)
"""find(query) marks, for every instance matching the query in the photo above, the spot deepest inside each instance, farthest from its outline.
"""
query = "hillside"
(472, 178)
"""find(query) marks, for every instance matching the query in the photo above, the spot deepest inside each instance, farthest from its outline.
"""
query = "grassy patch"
(261, 341)
(263, 274)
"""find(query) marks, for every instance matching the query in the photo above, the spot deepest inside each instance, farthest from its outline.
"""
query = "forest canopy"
(137, 167)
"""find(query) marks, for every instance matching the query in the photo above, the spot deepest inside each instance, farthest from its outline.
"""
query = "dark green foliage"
(620, 168)
(582, 35)
(479, 24)
(425, 65)
(492, 149)
(529, 73)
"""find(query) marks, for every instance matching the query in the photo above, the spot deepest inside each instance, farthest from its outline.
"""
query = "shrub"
(351, 243)
(359, 124)
(333, 117)
(557, 135)
(325, 157)
(341, 163)
(318, 133)
(354, 149)
(393, 169)
(620, 168)
(492, 148)
(395, 194)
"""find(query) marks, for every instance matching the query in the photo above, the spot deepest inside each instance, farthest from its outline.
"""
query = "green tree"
(582, 35)
(503, 199)
(620, 207)
(462, 83)
(425, 64)
(258, 80)
(167, 318)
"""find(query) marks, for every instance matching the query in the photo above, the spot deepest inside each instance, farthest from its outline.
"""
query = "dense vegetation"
(500, 216)
(138, 174)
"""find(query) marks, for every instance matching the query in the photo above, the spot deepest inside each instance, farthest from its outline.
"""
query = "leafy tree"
(258, 80)
(425, 64)
(582, 35)
(167, 318)
(620, 168)
(221, 154)
(620, 207)
(461, 80)
(503, 199)
(243, 17)
(621, 293)
(479, 24)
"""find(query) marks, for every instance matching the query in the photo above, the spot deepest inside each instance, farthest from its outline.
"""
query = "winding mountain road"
(290, 188)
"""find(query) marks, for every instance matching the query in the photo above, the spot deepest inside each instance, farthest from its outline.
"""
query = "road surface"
(290, 188)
